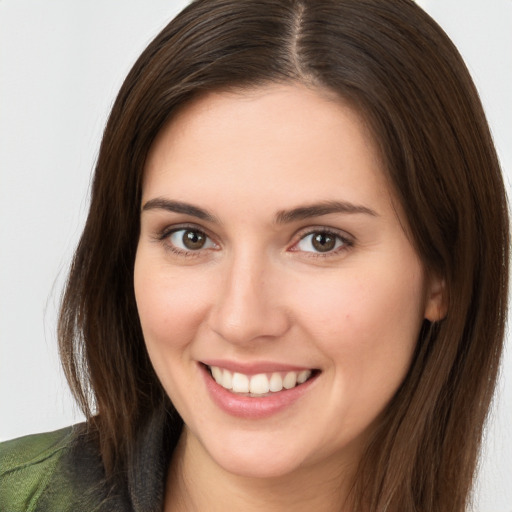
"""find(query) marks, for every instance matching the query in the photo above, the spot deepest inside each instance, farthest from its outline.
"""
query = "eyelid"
(347, 239)
(165, 233)
(172, 228)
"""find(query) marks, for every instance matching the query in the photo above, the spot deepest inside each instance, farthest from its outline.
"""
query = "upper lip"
(254, 367)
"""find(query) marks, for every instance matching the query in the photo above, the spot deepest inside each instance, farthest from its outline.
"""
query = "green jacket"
(62, 471)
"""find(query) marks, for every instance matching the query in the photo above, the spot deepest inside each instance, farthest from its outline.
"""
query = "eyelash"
(164, 238)
(345, 242)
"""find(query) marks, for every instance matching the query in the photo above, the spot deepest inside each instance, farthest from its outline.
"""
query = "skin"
(259, 290)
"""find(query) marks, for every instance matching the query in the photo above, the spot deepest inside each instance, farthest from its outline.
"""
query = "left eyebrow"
(319, 209)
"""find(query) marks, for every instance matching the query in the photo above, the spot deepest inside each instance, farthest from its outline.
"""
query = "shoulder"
(35, 470)
(28, 464)
(34, 450)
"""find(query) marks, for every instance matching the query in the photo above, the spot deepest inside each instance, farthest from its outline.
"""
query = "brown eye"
(323, 242)
(190, 240)
(193, 240)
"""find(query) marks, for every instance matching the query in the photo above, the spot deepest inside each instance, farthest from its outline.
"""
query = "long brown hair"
(397, 67)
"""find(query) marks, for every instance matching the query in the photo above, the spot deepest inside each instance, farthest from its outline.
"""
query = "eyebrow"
(160, 203)
(322, 208)
(282, 217)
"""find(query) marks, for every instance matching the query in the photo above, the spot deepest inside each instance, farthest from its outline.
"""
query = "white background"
(61, 64)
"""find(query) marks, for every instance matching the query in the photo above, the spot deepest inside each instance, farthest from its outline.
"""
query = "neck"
(195, 483)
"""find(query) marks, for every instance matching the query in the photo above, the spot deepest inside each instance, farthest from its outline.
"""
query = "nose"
(249, 306)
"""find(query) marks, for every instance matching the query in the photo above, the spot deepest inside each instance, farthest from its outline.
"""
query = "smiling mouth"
(261, 384)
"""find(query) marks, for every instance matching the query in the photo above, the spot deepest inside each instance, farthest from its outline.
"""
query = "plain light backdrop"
(61, 65)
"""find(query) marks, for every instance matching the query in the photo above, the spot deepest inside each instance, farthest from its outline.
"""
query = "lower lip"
(253, 407)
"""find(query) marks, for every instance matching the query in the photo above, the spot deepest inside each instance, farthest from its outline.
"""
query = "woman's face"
(272, 256)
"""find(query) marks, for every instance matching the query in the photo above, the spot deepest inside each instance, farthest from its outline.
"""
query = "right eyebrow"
(159, 203)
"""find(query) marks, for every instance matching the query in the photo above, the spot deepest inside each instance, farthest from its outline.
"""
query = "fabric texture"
(62, 471)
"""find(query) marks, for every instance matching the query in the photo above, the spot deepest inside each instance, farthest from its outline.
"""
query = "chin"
(246, 466)
(256, 458)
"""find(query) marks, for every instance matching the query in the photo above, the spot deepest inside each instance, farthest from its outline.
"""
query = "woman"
(291, 288)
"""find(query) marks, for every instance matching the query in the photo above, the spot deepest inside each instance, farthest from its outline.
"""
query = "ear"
(436, 304)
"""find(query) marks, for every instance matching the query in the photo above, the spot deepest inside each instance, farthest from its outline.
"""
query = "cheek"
(374, 305)
(366, 323)
(170, 311)
(169, 305)
(368, 328)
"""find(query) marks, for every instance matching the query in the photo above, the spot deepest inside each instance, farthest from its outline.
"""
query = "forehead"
(278, 141)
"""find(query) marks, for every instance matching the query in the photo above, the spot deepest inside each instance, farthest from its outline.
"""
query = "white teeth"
(217, 374)
(276, 382)
(290, 381)
(303, 376)
(240, 383)
(259, 384)
(227, 379)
